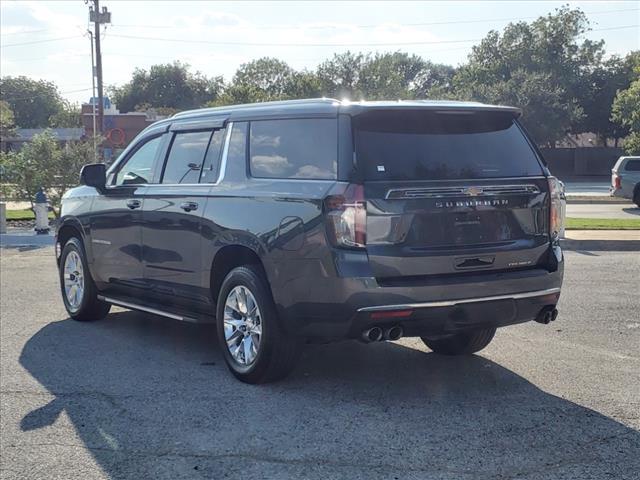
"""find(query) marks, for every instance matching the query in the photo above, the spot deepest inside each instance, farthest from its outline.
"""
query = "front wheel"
(79, 293)
(255, 347)
(463, 343)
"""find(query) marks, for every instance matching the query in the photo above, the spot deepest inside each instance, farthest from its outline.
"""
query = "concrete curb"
(588, 199)
(602, 245)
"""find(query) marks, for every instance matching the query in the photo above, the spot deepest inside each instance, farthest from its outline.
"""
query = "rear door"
(449, 192)
(172, 215)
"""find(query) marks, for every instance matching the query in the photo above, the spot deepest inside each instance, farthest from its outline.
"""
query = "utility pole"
(98, 17)
(93, 95)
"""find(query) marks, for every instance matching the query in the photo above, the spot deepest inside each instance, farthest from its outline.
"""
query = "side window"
(186, 157)
(211, 166)
(300, 148)
(138, 169)
(632, 166)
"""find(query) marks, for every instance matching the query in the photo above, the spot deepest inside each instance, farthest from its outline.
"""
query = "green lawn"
(23, 215)
(602, 224)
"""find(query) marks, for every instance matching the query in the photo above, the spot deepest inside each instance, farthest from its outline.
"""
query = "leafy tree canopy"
(33, 102)
(166, 86)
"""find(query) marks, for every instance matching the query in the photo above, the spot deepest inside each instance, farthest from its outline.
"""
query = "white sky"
(216, 37)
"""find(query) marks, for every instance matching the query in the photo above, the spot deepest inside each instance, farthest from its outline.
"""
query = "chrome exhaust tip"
(373, 334)
(393, 333)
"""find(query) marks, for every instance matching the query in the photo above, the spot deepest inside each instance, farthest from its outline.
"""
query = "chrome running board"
(144, 308)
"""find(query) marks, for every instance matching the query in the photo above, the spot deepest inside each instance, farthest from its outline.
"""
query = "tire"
(84, 305)
(275, 353)
(636, 196)
(463, 343)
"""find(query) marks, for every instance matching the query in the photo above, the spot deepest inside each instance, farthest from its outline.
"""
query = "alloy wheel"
(73, 280)
(242, 325)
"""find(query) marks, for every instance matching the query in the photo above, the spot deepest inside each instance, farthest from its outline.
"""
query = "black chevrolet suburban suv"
(320, 220)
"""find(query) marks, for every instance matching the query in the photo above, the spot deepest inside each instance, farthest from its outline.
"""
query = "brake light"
(616, 181)
(555, 210)
(346, 217)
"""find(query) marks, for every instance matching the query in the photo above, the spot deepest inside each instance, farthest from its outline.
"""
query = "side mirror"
(94, 175)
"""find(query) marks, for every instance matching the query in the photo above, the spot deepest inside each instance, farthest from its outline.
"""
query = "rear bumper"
(342, 307)
(450, 316)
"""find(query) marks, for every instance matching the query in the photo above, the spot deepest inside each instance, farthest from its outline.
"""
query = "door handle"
(189, 206)
(133, 204)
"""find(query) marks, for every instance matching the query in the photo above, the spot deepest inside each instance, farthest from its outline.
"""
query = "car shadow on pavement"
(152, 398)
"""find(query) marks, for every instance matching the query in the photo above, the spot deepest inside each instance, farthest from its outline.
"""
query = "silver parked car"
(625, 179)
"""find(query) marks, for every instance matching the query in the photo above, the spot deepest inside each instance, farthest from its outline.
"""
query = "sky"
(48, 39)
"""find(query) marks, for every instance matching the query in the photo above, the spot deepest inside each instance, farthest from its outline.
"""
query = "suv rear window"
(632, 166)
(419, 145)
(300, 148)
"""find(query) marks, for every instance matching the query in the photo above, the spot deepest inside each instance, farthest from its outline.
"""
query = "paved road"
(603, 210)
(599, 187)
(136, 396)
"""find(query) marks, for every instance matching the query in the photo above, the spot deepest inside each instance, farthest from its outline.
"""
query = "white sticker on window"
(381, 168)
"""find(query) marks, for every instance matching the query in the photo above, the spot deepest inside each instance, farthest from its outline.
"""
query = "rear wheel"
(255, 347)
(79, 293)
(463, 343)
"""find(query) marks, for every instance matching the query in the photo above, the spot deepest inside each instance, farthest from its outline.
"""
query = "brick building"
(119, 128)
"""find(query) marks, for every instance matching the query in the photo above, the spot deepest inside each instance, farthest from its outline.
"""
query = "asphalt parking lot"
(137, 396)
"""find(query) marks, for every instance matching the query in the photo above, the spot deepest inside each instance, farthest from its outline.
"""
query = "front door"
(116, 231)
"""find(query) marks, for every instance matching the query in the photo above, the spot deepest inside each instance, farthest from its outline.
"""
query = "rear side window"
(186, 157)
(298, 148)
(406, 145)
(632, 166)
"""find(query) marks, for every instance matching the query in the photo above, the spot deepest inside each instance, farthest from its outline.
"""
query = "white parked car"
(625, 179)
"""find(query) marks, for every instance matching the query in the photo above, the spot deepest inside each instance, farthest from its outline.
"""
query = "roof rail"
(226, 108)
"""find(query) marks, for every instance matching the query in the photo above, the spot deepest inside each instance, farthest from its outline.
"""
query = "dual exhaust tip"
(547, 315)
(377, 334)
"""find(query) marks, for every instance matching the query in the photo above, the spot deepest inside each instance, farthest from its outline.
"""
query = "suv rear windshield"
(419, 145)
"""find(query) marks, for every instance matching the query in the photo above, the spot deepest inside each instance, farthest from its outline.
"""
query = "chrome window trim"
(462, 301)
(225, 152)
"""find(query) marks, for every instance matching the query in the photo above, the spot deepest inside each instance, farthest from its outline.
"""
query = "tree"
(267, 79)
(626, 112)
(44, 163)
(68, 117)
(601, 85)
(340, 76)
(389, 76)
(549, 56)
(434, 80)
(33, 102)
(166, 86)
(7, 122)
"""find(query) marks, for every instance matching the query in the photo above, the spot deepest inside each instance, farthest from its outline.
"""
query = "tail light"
(346, 217)
(616, 181)
(555, 210)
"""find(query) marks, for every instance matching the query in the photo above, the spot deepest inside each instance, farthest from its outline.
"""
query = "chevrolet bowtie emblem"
(473, 191)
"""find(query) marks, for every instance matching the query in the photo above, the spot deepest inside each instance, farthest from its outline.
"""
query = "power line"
(421, 24)
(25, 32)
(37, 41)
(615, 28)
(17, 99)
(266, 44)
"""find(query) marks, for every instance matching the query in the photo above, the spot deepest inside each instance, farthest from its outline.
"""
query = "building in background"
(119, 128)
(24, 135)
